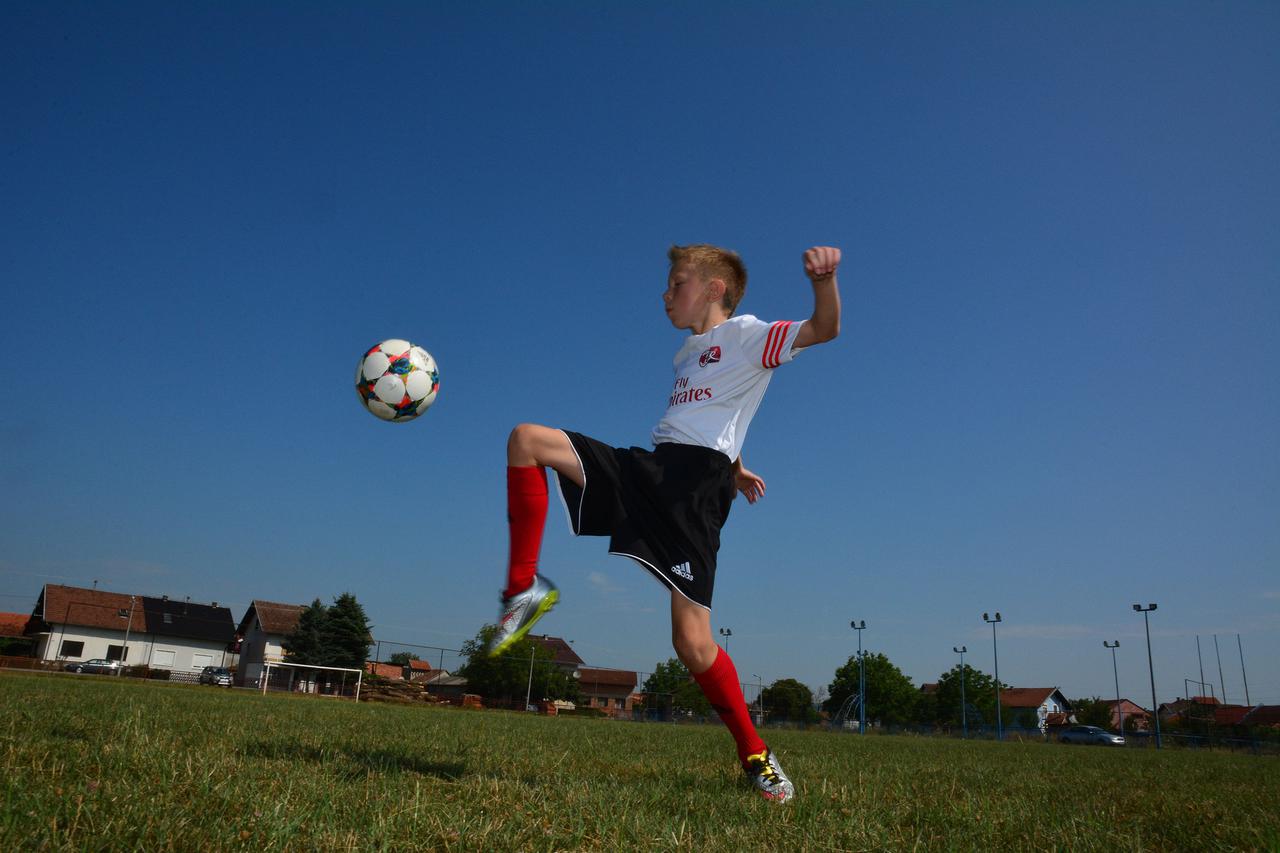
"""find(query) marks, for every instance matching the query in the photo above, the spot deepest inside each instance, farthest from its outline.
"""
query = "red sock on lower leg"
(526, 517)
(720, 685)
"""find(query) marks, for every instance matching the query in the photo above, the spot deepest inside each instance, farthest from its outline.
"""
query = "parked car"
(1091, 734)
(99, 665)
(218, 676)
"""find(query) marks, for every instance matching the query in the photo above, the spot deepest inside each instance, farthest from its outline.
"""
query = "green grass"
(98, 763)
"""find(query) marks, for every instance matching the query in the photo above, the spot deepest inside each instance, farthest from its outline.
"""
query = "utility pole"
(124, 652)
(964, 712)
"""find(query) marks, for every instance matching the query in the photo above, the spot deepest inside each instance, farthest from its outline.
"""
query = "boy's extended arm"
(820, 265)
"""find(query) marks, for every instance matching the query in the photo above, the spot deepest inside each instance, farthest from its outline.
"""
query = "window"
(72, 649)
(199, 661)
(162, 658)
(119, 653)
(168, 619)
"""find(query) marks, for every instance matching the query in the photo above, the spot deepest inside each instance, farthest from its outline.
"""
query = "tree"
(670, 688)
(1094, 712)
(403, 658)
(890, 696)
(348, 632)
(308, 642)
(788, 699)
(505, 679)
(979, 692)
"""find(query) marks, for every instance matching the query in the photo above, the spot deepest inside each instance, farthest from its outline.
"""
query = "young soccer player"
(664, 508)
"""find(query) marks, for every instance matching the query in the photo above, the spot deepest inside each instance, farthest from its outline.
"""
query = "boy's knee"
(523, 439)
(697, 653)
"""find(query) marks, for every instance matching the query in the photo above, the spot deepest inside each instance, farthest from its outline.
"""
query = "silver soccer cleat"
(521, 611)
(766, 774)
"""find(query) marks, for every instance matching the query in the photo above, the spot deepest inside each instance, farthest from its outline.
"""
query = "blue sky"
(1054, 396)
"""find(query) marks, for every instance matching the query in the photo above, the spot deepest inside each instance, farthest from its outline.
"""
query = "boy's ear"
(716, 288)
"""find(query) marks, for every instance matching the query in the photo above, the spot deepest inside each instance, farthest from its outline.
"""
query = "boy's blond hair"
(714, 262)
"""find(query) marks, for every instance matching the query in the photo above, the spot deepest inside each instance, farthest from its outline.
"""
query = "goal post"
(309, 678)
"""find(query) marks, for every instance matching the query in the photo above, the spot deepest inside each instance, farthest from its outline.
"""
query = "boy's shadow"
(338, 755)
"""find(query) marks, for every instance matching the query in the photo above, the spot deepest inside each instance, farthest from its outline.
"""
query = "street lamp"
(1116, 673)
(859, 626)
(1155, 711)
(726, 633)
(964, 714)
(995, 654)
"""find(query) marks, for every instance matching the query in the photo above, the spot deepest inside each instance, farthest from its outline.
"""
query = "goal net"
(336, 681)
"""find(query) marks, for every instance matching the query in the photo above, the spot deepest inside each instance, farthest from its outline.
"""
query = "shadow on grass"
(380, 760)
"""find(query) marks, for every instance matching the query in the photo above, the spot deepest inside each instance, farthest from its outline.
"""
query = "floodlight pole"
(964, 712)
(726, 633)
(1155, 710)
(860, 626)
(1116, 673)
(996, 656)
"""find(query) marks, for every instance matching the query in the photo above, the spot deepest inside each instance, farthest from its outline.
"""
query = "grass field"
(92, 762)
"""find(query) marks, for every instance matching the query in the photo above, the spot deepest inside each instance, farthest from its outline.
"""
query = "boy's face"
(688, 298)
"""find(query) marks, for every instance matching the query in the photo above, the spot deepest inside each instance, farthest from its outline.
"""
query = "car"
(218, 676)
(99, 665)
(1091, 734)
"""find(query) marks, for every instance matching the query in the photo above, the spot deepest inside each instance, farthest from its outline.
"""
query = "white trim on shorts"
(659, 576)
(573, 529)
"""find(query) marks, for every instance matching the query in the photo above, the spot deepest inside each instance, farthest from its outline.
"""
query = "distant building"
(610, 690)
(262, 632)
(72, 623)
(562, 654)
(1134, 714)
(1044, 707)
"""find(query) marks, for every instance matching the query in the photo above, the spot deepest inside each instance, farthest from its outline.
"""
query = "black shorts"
(662, 508)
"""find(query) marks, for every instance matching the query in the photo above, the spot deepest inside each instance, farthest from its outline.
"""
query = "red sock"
(526, 515)
(720, 685)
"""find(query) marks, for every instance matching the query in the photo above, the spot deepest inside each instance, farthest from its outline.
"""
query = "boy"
(664, 508)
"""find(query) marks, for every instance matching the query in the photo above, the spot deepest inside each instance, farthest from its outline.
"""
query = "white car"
(1091, 734)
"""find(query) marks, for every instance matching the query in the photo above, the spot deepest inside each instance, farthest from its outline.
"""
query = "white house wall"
(156, 651)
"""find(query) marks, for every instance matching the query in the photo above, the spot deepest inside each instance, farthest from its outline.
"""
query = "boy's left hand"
(749, 484)
(821, 262)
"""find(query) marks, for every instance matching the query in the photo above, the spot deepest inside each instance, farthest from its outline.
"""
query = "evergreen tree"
(308, 642)
(348, 633)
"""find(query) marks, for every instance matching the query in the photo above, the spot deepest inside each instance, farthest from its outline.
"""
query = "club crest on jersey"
(710, 356)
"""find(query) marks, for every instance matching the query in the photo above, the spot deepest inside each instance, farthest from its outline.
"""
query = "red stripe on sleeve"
(773, 347)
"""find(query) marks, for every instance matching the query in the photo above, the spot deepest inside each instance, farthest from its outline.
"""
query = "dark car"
(1091, 734)
(218, 676)
(98, 665)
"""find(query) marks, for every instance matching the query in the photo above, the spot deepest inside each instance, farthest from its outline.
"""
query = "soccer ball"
(397, 381)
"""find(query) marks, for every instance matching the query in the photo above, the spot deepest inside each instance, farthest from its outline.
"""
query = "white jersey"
(721, 377)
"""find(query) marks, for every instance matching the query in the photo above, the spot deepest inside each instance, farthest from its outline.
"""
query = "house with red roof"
(70, 623)
(1041, 707)
(562, 654)
(1133, 713)
(262, 631)
(610, 690)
